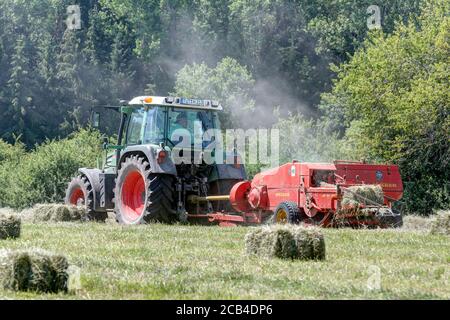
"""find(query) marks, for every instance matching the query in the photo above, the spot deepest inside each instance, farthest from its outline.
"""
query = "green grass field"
(192, 262)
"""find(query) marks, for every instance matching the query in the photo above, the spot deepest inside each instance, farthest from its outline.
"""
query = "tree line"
(313, 68)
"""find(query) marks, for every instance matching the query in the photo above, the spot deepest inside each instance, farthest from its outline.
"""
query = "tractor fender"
(151, 153)
(93, 176)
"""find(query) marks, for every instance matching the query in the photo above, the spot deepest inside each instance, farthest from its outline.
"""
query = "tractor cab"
(168, 121)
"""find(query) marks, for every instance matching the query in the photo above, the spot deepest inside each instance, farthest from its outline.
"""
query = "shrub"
(41, 176)
(9, 152)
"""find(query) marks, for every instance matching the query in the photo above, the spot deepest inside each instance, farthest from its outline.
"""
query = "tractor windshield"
(148, 126)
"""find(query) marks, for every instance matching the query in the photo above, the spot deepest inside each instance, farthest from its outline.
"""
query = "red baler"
(311, 193)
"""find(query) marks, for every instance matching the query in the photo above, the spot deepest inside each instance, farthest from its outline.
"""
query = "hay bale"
(310, 243)
(417, 223)
(54, 213)
(286, 242)
(10, 226)
(441, 225)
(33, 270)
(356, 195)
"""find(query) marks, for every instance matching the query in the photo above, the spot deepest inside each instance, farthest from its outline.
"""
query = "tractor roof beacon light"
(148, 100)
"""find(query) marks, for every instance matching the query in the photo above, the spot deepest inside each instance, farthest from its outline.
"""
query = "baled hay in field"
(54, 213)
(355, 195)
(417, 223)
(310, 243)
(10, 225)
(441, 225)
(33, 270)
(286, 242)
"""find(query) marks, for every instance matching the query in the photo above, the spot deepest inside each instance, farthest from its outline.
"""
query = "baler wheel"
(80, 193)
(141, 196)
(286, 212)
(392, 221)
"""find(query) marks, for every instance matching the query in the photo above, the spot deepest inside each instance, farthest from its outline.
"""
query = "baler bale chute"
(335, 194)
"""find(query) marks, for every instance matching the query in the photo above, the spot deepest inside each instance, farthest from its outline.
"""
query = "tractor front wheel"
(80, 193)
(141, 196)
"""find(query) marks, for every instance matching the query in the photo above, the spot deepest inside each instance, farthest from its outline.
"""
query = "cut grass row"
(193, 262)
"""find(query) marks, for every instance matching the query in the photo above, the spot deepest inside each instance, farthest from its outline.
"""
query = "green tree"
(393, 95)
(229, 83)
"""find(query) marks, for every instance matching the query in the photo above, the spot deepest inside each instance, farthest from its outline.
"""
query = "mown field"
(192, 262)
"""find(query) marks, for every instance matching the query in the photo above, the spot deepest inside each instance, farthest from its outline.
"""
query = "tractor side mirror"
(95, 119)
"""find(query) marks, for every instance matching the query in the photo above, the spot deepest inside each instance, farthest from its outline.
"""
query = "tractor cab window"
(195, 122)
(154, 126)
(146, 126)
(134, 131)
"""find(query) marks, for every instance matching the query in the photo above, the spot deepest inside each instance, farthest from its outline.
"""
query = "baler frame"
(332, 213)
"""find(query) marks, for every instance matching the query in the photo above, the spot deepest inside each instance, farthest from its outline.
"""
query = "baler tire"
(392, 221)
(292, 211)
(156, 205)
(78, 185)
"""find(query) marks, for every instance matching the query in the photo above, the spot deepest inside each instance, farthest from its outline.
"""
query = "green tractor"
(143, 179)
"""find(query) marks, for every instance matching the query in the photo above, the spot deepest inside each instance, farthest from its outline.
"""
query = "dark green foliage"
(41, 176)
(393, 98)
(51, 76)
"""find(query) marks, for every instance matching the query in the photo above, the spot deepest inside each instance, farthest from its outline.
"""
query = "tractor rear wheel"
(80, 193)
(286, 212)
(141, 196)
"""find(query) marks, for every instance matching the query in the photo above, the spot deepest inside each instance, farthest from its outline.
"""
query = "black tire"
(157, 196)
(222, 188)
(290, 209)
(392, 221)
(82, 183)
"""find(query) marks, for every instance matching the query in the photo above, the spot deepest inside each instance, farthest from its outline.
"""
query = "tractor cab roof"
(178, 102)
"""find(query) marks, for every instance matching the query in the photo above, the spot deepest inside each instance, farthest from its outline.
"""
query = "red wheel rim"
(133, 195)
(76, 197)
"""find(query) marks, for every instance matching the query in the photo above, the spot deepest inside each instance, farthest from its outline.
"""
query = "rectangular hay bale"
(286, 242)
(441, 224)
(356, 195)
(54, 213)
(10, 226)
(33, 270)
